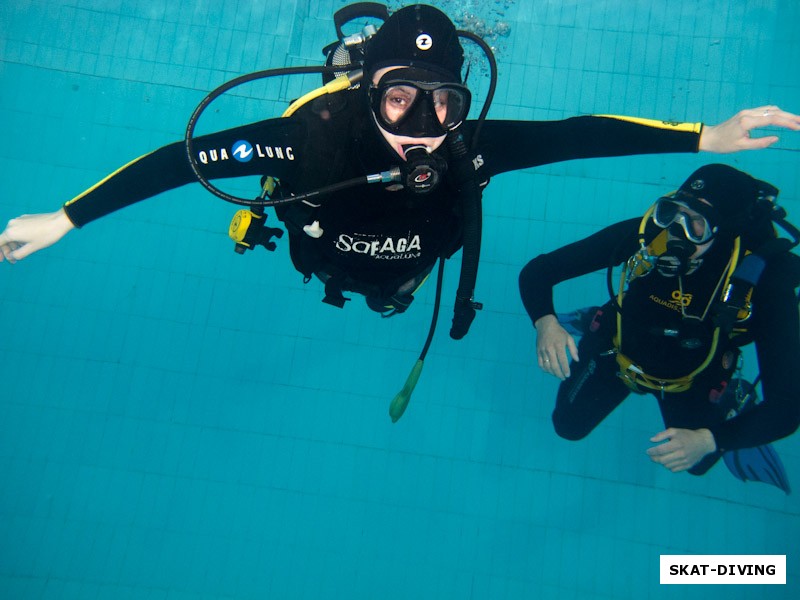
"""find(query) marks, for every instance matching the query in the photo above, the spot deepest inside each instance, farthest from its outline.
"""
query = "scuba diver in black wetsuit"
(704, 274)
(401, 127)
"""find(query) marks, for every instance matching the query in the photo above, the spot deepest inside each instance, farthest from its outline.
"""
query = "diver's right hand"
(552, 343)
(29, 233)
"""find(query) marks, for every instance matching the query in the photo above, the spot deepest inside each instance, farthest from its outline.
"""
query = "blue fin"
(761, 463)
(578, 322)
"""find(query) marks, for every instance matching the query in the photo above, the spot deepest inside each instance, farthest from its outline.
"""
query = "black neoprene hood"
(731, 192)
(417, 35)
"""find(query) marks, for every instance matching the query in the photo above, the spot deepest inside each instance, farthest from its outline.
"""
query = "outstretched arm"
(511, 145)
(734, 134)
(154, 173)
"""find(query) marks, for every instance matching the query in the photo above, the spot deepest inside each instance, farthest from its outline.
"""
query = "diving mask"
(405, 104)
(677, 213)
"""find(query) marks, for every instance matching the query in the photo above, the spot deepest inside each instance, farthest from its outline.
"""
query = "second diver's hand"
(552, 344)
(681, 449)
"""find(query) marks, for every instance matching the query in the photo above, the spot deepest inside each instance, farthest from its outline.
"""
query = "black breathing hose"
(472, 213)
(214, 94)
(464, 175)
(487, 103)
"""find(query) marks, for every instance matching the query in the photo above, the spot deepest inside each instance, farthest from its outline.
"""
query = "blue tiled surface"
(179, 422)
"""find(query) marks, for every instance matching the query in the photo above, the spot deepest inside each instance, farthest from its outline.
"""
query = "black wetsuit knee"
(569, 428)
(588, 396)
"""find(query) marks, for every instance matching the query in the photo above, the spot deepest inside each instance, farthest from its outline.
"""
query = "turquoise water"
(181, 422)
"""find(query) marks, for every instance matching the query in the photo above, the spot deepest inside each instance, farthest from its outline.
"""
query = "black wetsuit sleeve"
(776, 328)
(511, 145)
(168, 167)
(611, 245)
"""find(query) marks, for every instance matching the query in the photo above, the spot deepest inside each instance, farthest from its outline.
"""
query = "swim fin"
(761, 463)
(578, 322)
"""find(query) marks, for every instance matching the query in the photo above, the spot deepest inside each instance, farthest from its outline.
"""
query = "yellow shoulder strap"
(634, 376)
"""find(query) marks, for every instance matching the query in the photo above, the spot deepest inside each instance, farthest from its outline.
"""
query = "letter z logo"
(242, 151)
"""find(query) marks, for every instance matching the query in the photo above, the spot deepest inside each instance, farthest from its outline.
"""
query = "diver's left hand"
(734, 134)
(553, 341)
(683, 449)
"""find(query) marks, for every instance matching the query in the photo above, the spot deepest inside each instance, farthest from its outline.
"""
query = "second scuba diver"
(407, 115)
(704, 274)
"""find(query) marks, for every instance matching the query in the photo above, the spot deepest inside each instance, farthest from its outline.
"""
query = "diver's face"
(394, 106)
(697, 222)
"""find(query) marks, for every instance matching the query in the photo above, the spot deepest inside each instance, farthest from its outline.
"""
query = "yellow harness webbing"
(630, 373)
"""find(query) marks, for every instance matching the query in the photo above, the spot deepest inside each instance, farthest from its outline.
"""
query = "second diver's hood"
(733, 194)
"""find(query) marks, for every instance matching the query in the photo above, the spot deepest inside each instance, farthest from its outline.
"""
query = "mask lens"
(451, 105)
(396, 102)
(665, 212)
(698, 227)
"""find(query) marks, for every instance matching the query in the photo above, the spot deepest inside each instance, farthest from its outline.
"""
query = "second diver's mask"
(689, 214)
(689, 223)
(417, 103)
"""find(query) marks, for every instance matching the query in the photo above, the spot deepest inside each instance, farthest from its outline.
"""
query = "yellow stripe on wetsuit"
(671, 125)
(342, 82)
(102, 181)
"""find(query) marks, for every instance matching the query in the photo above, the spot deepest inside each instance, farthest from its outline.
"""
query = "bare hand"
(683, 449)
(734, 134)
(26, 234)
(552, 343)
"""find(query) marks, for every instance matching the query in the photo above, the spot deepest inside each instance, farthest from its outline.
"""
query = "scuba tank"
(349, 49)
